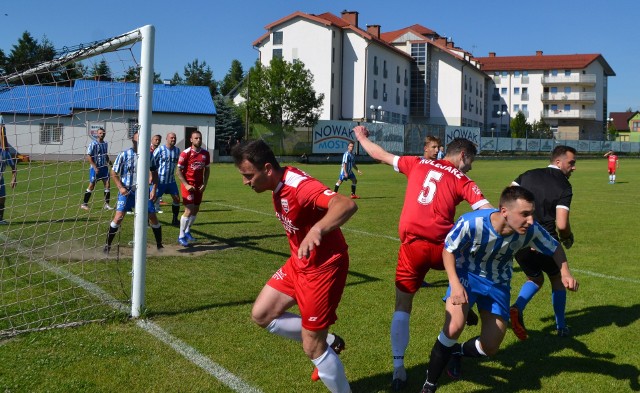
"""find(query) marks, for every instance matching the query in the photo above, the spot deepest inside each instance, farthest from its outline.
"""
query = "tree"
(27, 53)
(540, 129)
(282, 94)
(519, 126)
(101, 71)
(233, 77)
(133, 75)
(200, 74)
(228, 122)
(177, 79)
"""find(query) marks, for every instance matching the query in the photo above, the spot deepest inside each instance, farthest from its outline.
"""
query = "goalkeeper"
(553, 194)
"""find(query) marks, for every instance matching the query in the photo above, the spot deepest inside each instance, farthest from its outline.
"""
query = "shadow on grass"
(524, 365)
(203, 307)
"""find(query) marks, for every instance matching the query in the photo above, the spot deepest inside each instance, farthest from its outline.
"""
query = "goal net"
(53, 271)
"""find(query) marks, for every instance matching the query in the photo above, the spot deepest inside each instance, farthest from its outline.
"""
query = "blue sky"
(221, 31)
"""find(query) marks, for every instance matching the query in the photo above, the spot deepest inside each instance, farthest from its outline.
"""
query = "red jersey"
(613, 159)
(434, 189)
(192, 164)
(300, 201)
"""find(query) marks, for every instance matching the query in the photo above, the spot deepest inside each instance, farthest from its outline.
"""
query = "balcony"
(577, 79)
(525, 79)
(576, 97)
(524, 97)
(588, 114)
(496, 79)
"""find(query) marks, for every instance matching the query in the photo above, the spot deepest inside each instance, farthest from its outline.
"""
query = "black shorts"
(533, 263)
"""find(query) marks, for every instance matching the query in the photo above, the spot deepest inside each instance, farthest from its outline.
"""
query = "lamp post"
(374, 111)
(609, 121)
(501, 113)
(492, 129)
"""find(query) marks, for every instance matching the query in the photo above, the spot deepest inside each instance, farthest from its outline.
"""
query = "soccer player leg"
(558, 296)
(529, 261)
(319, 293)
(277, 296)
(3, 194)
(103, 174)
(89, 191)
(155, 224)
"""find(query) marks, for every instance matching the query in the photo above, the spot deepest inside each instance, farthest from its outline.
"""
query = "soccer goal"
(53, 272)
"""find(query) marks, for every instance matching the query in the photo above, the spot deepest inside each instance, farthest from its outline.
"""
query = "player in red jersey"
(193, 172)
(315, 274)
(434, 189)
(613, 165)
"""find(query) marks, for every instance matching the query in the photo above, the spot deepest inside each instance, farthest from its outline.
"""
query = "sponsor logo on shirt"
(285, 205)
(279, 275)
(287, 223)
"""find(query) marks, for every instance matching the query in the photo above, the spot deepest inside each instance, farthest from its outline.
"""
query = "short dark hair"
(513, 193)
(256, 152)
(560, 151)
(461, 144)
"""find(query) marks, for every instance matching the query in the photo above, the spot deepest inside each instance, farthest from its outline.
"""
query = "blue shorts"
(489, 296)
(103, 174)
(169, 188)
(127, 202)
(350, 176)
(3, 190)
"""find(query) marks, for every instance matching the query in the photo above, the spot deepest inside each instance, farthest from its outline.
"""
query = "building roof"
(621, 119)
(416, 29)
(89, 94)
(542, 62)
(328, 19)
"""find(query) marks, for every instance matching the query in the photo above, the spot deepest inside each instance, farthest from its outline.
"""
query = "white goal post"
(52, 269)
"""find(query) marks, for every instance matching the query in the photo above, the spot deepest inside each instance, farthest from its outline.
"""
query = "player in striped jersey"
(6, 159)
(165, 159)
(478, 259)
(124, 176)
(346, 171)
(98, 157)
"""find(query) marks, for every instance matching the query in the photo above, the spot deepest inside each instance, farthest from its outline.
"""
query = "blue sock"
(559, 301)
(528, 290)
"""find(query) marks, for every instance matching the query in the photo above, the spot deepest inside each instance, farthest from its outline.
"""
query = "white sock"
(288, 325)
(613, 178)
(399, 337)
(331, 372)
(183, 225)
(189, 223)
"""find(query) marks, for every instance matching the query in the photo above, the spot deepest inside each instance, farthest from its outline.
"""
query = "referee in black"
(553, 194)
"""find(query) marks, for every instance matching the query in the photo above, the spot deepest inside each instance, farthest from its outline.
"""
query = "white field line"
(364, 233)
(188, 352)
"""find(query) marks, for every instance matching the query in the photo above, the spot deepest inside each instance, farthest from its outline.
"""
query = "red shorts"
(317, 291)
(193, 197)
(415, 258)
(612, 170)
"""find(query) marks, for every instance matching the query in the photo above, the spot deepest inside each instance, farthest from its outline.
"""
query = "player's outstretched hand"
(311, 241)
(361, 132)
(569, 282)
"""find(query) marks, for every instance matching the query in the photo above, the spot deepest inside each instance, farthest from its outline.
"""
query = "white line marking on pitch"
(188, 352)
(587, 272)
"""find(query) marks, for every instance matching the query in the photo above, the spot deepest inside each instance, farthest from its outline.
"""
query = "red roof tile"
(542, 62)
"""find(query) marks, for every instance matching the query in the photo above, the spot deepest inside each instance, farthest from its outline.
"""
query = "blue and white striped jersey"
(348, 159)
(166, 160)
(98, 152)
(479, 249)
(5, 159)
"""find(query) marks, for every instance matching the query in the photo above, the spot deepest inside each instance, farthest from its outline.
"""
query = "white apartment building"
(352, 67)
(568, 92)
(413, 75)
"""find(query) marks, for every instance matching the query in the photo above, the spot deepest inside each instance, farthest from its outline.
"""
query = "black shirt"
(551, 188)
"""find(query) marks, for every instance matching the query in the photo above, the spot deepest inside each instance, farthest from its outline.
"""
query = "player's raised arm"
(375, 151)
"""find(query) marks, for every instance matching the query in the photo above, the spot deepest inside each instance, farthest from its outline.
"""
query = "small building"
(627, 125)
(57, 122)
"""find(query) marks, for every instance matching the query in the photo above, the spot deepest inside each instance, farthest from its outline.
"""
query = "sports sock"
(331, 372)
(2, 211)
(472, 348)
(175, 209)
(559, 301)
(528, 290)
(87, 196)
(613, 178)
(183, 225)
(288, 325)
(192, 219)
(113, 229)
(399, 336)
(335, 188)
(440, 355)
(157, 232)
(353, 189)
(107, 196)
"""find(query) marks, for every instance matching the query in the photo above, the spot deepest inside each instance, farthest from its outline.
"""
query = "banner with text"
(470, 133)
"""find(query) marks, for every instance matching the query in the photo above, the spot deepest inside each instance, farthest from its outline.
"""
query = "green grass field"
(204, 301)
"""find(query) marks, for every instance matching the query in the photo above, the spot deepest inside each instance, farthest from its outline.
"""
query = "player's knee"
(261, 317)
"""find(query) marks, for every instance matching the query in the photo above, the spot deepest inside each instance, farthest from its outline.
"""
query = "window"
(554, 72)
(516, 108)
(567, 89)
(397, 96)
(277, 38)
(516, 74)
(277, 53)
(333, 55)
(505, 74)
(567, 72)
(384, 92)
(384, 69)
(465, 83)
(375, 65)
(375, 89)
(397, 74)
(406, 80)
(567, 107)
(553, 90)
(554, 108)
(525, 73)
(516, 90)
(132, 127)
(503, 90)
(635, 126)
(525, 90)
(51, 134)
(332, 77)
(525, 108)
